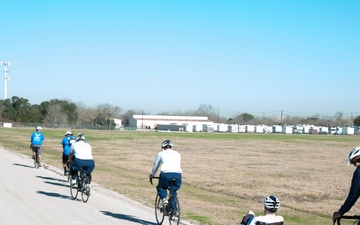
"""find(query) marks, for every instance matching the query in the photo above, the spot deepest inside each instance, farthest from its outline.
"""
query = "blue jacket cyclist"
(354, 193)
(36, 140)
(66, 144)
(170, 161)
(81, 156)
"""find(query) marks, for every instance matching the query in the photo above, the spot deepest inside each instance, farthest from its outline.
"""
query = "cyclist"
(354, 193)
(81, 156)
(66, 144)
(170, 161)
(36, 140)
(271, 205)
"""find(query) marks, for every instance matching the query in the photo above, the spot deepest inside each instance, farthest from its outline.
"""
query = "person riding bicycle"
(354, 192)
(36, 140)
(81, 156)
(271, 205)
(170, 161)
(66, 144)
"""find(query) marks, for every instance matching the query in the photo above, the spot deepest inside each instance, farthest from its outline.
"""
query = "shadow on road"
(127, 217)
(51, 178)
(57, 184)
(52, 194)
(17, 164)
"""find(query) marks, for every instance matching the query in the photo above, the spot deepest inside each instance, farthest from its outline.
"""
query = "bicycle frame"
(354, 217)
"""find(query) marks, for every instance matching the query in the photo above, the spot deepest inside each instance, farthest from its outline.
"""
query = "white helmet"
(353, 153)
(167, 144)
(80, 136)
(38, 128)
(68, 132)
(271, 203)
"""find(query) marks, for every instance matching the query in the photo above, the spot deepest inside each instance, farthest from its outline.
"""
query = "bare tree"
(86, 116)
(55, 116)
(106, 113)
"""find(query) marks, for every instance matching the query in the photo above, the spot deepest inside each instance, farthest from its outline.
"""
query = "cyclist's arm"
(156, 165)
(354, 193)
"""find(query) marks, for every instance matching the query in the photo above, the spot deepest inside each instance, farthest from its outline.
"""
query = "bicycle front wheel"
(73, 190)
(159, 210)
(174, 215)
(85, 189)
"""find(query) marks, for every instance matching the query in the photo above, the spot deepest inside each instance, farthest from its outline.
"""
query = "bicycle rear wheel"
(73, 189)
(159, 210)
(174, 215)
(85, 189)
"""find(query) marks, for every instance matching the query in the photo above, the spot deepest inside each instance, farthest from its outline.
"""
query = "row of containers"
(235, 128)
(286, 129)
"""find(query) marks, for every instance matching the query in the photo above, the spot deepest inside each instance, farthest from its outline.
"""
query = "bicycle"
(82, 186)
(36, 157)
(354, 217)
(172, 209)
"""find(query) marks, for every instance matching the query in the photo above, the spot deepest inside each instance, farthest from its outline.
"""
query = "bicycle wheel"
(85, 189)
(174, 215)
(73, 190)
(159, 210)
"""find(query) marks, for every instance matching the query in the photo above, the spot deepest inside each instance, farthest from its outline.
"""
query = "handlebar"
(337, 221)
(150, 179)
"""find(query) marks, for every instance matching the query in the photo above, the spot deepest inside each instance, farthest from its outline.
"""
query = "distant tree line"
(64, 113)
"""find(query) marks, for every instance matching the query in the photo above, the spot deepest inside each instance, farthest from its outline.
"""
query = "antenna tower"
(6, 64)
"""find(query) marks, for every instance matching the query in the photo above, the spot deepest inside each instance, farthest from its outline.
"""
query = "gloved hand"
(336, 215)
(151, 176)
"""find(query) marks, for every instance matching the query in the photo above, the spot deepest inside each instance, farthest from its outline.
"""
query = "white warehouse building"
(170, 122)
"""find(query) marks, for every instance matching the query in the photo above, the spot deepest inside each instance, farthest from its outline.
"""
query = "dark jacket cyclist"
(354, 193)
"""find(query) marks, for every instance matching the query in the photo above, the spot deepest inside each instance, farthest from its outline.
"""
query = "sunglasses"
(354, 162)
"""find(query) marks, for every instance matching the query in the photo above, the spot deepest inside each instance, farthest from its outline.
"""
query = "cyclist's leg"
(76, 166)
(65, 159)
(163, 185)
(176, 186)
(39, 154)
(88, 166)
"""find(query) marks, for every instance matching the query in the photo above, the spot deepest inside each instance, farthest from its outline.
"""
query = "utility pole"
(6, 77)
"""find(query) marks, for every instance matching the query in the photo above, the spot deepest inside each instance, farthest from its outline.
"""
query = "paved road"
(41, 196)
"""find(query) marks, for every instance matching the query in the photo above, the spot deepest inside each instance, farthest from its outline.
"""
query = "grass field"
(224, 175)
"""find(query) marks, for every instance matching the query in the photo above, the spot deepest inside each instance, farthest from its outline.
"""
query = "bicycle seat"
(171, 182)
(263, 223)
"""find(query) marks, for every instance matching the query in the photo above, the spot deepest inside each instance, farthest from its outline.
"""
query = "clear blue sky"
(262, 57)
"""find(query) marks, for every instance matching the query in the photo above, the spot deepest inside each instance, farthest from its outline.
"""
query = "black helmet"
(166, 144)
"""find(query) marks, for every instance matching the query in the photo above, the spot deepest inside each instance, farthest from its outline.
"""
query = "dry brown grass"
(223, 177)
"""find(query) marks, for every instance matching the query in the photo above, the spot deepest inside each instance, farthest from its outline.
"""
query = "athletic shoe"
(73, 183)
(165, 202)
